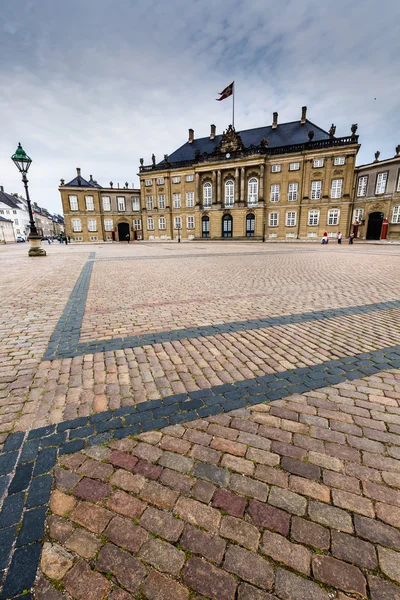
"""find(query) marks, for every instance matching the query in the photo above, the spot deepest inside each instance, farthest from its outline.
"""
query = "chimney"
(191, 136)
(303, 114)
(78, 171)
(212, 134)
(1, 188)
(275, 120)
(91, 178)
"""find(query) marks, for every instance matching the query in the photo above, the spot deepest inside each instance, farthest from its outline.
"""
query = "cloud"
(98, 84)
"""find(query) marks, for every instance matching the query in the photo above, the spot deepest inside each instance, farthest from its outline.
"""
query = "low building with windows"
(6, 230)
(94, 213)
(282, 181)
(15, 208)
(376, 213)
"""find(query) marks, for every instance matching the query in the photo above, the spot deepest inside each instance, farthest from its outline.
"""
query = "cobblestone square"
(215, 420)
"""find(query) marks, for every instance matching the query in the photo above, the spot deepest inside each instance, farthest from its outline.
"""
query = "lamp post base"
(35, 249)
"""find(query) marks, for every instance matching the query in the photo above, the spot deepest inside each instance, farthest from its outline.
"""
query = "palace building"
(277, 182)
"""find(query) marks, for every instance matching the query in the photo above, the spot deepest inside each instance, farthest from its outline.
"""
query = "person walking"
(339, 237)
(128, 238)
(325, 238)
(351, 237)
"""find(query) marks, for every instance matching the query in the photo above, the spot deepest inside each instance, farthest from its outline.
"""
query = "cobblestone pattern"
(295, 499)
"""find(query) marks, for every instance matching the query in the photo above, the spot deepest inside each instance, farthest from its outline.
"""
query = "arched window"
(229, 192)
(227, 226)
(205, 227)
(250, 223)
(207, 194)
(252, 191)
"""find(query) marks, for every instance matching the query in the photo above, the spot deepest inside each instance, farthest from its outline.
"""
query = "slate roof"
(9, 200)
(285, 134)
(83, 183)
(6, 220)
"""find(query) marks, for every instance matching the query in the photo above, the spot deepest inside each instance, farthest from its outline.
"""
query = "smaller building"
(15, 208)
(6, 231)
(376, 212)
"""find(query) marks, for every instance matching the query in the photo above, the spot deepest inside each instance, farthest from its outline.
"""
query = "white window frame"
(176, 180)
(273, 219)
(73, 202)
(381, 182)
(190, 199)
(333, 216)
(177, 199)
(76, 225)
(137, 224)
(336, 188)
(275, 193)
(149, 202)
(318, 163)
(291, 218)
(358, 215)
(313, 218)
(339, 160)
(108, 224)
(160, 181)
(252, 191)
(150, 224)
(316, 189)
(121, 202)
(135, 203)
(294, 166)
(396, 214)
(162, 223)
(229, 189)
(190, 222)
(161, 201)
(106, 202)
(293, 191)
(177, 220)
(148, 182)
(92, 225)
(189, 178)
(362, 184)
(89, 203)
(207, 193)
(276, 168)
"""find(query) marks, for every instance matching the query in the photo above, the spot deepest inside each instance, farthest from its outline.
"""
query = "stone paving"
(233, 436)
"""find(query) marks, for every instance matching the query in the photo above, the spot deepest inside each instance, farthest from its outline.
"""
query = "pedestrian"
(339, 237)
(128, 237)
(325, 238)
(351, 238)
(49, 241)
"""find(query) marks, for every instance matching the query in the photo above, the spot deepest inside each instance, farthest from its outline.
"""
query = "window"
(76, 225)
(135, 203)
(207, 194)
(381, 183)
(89, 202)
(362, 185)
(252, 191)
(150, 223)
(189, 178)
(273, 219)
(275, 192)
(16, 220)
(108, 224)
(161, 201)
(293, 192)
(396, 214)
(190, 199)
(190, 222)
(1, 212)
(316, 188)
(177, 200)
(276, 168)
(318, 162)
(294, 166)
(205, 227)
(18, 231)
(137, 224)
(291, 218)
(229, 193)
(148, 182)
(162, 223)
(176, 180)
(14, 212)
(313, 217)
(333, 216)
(339, 160)
(149, 202)
(121, 203)
(178, 222)
(106, 203)
(250, 225)
(73, 203)
(336, 188)
(358, 215)
(92, 225)
(227, 226)
(160, 181)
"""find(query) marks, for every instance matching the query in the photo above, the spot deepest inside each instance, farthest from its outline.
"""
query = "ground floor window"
(227, 226)
(396, 214)
(250, 225)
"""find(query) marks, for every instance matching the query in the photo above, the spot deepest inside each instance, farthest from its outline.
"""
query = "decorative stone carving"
(354, 128)
(153, 159)
(310, 135)
(332, 130)
(398, 150)
(197, 155)
(338, 171)
(62, 181)
(265, 142)
(377, 155)
(111, 184)
(141, 162)
(166, 157)
(231, 141)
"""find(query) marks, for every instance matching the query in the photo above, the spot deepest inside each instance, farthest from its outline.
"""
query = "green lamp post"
(23, 162)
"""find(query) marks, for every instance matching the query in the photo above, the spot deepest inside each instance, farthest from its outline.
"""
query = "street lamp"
(23, 162)
(178, 228)
(263, 236)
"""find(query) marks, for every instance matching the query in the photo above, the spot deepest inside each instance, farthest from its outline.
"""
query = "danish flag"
(228, 91)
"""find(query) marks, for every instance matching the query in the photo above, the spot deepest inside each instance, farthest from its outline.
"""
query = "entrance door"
(227, 226)
(250, 222)
(205, 227)
(123, 231)
(374, 229)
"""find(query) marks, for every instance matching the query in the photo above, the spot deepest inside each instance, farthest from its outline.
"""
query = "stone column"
(236, 185)
(261, 188)
(197, 193)
(242, 179)
(219, 187)
(214, 187)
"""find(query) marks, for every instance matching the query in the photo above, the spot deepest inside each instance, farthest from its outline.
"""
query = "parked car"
(20, 238)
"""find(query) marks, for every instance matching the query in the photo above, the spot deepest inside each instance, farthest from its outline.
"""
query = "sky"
(98, 84)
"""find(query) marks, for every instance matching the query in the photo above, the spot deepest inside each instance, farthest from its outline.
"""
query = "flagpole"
(233, 106)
